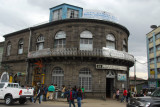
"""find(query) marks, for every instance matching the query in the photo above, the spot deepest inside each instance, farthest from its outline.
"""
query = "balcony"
(70, 52)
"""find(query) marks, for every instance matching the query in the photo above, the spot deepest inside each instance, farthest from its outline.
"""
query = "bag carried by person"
(71, 96)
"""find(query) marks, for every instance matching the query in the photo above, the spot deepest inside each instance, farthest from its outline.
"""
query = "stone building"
(71, 51)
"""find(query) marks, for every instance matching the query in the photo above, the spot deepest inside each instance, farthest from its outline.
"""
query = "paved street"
(63, 103)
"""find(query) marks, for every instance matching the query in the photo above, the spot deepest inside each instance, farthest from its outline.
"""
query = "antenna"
(153, 26)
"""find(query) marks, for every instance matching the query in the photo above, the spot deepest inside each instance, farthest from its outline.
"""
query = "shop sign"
(115, 67)
(121, 77)
(152, 84)
(97, 14)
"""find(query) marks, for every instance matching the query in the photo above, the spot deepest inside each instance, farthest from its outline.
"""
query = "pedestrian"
(114, 93)
(51, 90)
(71, 96)
(83, 92)
(141, 94)
(124, 95)
(79, 96)
(128, 95)
(39, 94)
(117, 94)
(63, 91)
(45, 92)
(75, 88)
(56, 92)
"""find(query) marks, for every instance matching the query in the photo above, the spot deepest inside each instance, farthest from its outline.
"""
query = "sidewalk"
(88, 103)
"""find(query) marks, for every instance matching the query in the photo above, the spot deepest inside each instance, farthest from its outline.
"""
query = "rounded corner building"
(83, 48)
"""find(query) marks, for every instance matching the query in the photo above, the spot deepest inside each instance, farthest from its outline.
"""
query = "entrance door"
(109, 87)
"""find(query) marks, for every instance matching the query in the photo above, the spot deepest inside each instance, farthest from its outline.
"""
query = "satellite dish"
(153, 26)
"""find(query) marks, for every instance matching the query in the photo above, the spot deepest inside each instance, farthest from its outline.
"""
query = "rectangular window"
(40, 46)
(20, 51)
(57, 14)
(158, 59)
(85, 82)
(60, 43)
(59, 80)
(157, 36)
(151, 61)
(8, 50)
(72, 13)
(157, 47)
(86, 44)
(151, 50)
(110, 45)
(1, 85)
(150, 39)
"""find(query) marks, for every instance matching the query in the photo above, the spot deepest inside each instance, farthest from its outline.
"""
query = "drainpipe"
(27, 67)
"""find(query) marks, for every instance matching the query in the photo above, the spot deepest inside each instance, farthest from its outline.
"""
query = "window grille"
(60, 40)
(86, 41)
(57, 14)
(85, 79)
(40, 42)
(58, 77)
(110, 41)
(9, 49)
(72, 13)
(20, 46)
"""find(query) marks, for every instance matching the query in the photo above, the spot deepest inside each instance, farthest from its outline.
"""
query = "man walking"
(124, 95)
(39, 94)
(71, 96)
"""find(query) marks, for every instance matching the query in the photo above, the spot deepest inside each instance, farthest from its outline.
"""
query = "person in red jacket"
(124, 95)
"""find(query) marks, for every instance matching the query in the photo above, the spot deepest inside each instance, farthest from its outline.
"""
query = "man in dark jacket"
(71, 94)
(39, 94)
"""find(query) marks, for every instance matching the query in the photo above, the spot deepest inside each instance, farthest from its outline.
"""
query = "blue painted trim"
(52, 10)
(147, 42)
(155, 57)
(64, 8)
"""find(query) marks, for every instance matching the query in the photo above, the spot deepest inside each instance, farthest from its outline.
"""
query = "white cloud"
(141, 67)
(135, 15)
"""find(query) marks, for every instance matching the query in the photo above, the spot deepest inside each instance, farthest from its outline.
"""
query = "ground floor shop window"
(85, 79)
(58, 77)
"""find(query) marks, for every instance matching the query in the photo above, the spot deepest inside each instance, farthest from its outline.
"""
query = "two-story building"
(71, 50)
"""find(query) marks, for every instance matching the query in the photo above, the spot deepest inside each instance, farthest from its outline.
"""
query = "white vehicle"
(12, 92)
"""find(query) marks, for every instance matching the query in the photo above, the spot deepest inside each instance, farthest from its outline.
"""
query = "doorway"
(109, 87)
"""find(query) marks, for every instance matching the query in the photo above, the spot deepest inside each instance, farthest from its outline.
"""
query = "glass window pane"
(85, 79)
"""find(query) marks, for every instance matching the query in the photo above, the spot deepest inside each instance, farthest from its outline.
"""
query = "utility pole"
(135, 75)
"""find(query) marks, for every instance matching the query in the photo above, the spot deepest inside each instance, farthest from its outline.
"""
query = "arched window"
(9, 49)
(4, 77)
(124, 46)
(58, 77)
(85, 79)
(60, 40)
(40, 42)
(110, 41)
(20, 46)
(86, 40)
